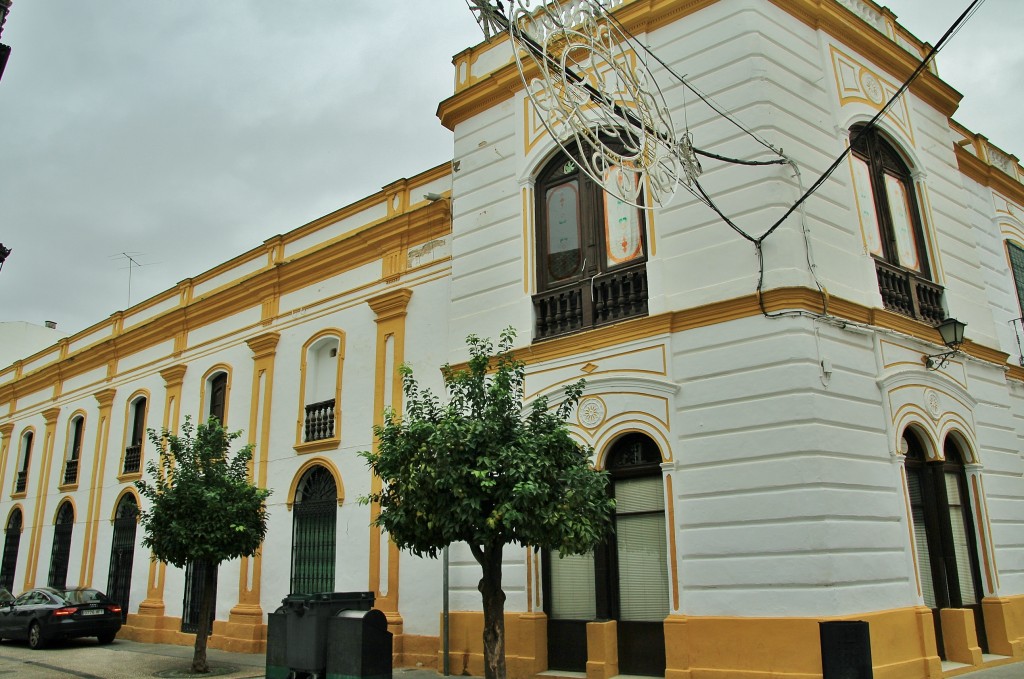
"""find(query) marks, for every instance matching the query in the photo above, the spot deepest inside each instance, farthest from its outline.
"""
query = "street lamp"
(952, 333)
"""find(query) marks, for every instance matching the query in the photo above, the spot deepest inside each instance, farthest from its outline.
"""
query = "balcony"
(907, 293)
(319, 423)
(21, 483)
(70, 472)
(604, 299)
(133, 459)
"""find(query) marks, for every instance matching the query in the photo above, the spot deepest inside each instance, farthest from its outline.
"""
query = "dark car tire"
(107, 638)
(35, 637)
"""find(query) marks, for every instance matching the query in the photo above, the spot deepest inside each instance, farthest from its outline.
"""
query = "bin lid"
(370, 618)
(339, 597)
(295, 600)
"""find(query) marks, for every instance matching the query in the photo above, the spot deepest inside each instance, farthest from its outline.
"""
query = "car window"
(5, 596)
(83, 596)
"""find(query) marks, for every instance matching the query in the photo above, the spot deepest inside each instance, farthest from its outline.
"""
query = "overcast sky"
(184, 133)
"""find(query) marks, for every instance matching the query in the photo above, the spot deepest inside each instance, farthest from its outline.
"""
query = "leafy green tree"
(202, 509)
(484, 470)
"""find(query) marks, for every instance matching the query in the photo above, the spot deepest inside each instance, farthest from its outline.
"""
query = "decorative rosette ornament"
(598, 101)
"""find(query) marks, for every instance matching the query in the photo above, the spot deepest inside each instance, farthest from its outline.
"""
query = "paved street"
(85, 659)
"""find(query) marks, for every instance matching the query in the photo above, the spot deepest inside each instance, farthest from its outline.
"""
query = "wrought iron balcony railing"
(604, 299)
(21, 482)
(70, 471)
(133, 459)
(319, 421)
(906, 293)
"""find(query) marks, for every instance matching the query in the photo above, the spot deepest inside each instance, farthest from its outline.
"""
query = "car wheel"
(107, 638)
(35, 637)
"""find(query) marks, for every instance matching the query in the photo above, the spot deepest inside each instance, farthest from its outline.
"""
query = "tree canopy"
(481, 468)
(202, 507)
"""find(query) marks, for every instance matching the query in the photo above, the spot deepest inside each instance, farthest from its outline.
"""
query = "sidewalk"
(85, 659)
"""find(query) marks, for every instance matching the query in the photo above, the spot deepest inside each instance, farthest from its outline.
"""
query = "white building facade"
(780, 452)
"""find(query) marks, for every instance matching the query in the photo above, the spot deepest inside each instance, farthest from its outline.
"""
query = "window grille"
(195, 573)
(122, 554)
(61, 552)
(313, 533)
(12, 540)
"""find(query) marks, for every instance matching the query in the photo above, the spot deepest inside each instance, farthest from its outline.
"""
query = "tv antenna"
(129, 257)
(596, 98)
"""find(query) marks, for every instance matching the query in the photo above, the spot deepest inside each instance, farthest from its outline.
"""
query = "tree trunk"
(494, 610)
(206, 607)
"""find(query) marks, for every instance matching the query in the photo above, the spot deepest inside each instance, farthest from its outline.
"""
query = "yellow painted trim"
(19, 462)
(910, 527)
(6, 431)
(670, 515)
(979, 525)
(325, 444)
(987, 175)
(104, 401)
(390, 311)
(306, 466)
(212, 372)
(50, 417)
(67, 499)
(127, 490)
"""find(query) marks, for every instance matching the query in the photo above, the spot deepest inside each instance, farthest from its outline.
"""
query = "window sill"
(318, 446)
(125, 478)
(19, 496)
(67, 487)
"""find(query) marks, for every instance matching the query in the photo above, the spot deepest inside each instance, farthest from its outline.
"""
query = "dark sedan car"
(44, 614)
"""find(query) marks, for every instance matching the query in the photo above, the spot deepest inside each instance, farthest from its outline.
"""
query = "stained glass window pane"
(866, 206)
(563, 210)
(899, 210)
(622, 230)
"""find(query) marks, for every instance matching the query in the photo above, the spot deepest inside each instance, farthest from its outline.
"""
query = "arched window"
(12, 540)
(321, 388)
(60, 554)
(313, 532)
(626, 579)
(136, 435)
(24, 458)
(1015, 254)
(944, 538)
(73, 454)
(216, 396)
(122, 553)
(892, 225)
(591, 253)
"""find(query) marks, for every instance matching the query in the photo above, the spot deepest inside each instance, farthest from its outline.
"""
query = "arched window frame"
(75, 442)
(944, 551)
(25, 443)
(318, 424)
(60, 553)
(134, 443)
(603, 283)
(320, 575)
(1015, 263)
(894, 233)
(208, 393)
(12, 543)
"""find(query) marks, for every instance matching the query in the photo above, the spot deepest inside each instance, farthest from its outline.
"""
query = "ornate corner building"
(781, 453)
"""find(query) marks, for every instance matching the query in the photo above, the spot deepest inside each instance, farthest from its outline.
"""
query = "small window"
(217, 390)
(1016, 255)
(321, 387)
(893, 228)
(591, 253)
(24, 458)
(137, 433)
(74, 450)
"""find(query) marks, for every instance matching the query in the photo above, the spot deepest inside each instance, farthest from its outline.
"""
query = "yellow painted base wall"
(526, 644)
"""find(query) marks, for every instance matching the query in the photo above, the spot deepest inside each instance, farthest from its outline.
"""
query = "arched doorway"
(12, 540)
(313, 532)
(60, 555)
(122, 553)
(625, 579)
(944, 537)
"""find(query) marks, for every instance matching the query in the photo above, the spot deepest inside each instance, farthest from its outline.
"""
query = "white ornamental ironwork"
(598, 101)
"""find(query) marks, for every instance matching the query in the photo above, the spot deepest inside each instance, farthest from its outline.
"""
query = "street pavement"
(86, 659)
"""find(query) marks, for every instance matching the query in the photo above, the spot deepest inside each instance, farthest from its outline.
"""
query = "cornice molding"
(390, 305)
(987, 175)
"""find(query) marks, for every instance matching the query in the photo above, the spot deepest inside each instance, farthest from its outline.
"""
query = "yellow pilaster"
(959, 636)
(390, 309)
(602, 650)
(105, 400)
(38, 516)
(6, 432)
(149, 621)
(244, 631)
